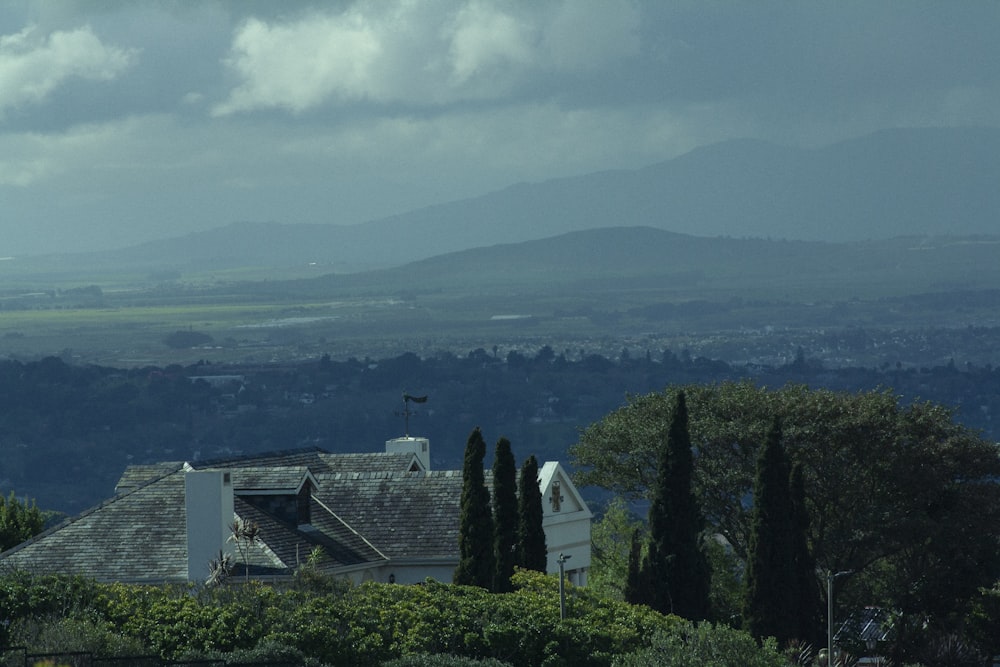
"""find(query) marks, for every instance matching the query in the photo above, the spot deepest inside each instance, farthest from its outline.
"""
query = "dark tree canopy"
(771, 594)
(807, 587)
(900, 494)
(675, 570)
(532, 553)
(504, 514)
(635, 589)
(475, 537)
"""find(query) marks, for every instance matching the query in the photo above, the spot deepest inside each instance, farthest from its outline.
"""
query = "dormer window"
(556, 498)
(303, 504)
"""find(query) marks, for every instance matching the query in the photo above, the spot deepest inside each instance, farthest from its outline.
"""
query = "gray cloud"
(419, 54)
(32, 65)
(122, 120)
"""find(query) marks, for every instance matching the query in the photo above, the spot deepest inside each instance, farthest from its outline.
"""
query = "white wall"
(420, 447)
(208, 503)
(567, 530)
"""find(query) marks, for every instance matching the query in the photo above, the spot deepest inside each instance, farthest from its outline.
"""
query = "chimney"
(419, 447)
(208, 504)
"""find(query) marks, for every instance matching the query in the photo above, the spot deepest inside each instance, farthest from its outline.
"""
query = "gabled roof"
(271, 479)
(406, 515)
(365, 509)
(139, 536)
(284, 547)
(552, 473)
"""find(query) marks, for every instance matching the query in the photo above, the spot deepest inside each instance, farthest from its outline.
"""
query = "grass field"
(596, 296)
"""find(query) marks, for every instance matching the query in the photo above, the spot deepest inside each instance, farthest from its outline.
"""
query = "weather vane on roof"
(407, 399)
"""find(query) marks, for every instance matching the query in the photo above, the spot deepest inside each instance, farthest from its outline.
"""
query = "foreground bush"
(25, 596)
(432, 625)
(376, 623)
(690, 645)
(72, 635)
(432, 660)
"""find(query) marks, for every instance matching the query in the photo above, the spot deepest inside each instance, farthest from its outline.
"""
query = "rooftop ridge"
(388, 474)
(161, 469)
(271, 454)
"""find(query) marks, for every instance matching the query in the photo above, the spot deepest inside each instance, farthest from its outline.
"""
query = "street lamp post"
(830, 578)
(562, 585)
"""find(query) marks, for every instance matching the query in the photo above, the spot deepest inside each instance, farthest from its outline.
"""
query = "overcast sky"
(125, 121)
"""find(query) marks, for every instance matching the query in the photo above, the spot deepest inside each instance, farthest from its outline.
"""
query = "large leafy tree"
(611, 548)
(504, 514)
(19, 521)
(900, 494)
(531, 550)
(675, 569)
(476, 565)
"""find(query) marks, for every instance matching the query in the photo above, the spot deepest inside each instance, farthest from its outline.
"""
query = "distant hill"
(905, 182)
(633, 259)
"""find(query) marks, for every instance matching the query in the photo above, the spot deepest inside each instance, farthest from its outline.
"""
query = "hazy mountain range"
(644, 260)
(907, 182)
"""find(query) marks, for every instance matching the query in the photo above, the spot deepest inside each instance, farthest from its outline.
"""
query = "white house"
(382, 516)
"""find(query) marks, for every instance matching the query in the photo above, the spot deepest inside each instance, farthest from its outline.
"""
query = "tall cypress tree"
(505, 518)
(531, 551)
(808, 606)
(771, 593)
(475, 531)
(675, 571)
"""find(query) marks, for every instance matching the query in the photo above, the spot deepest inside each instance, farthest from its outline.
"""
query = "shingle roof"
(317, 460)
(139, 536)
(309, 457)
(366, 509)
(364, 463)
(403, 514)
(269, 478)
(136, 475)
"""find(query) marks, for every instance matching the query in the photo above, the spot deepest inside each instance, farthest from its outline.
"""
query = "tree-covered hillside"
(67, 431)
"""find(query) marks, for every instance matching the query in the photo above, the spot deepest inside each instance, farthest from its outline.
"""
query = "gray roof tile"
(367, 508)
(136, 475)
(139, 536)
(403, 514)
(269, 478)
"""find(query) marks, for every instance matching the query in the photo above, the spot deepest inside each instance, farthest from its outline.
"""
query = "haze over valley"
(914, 182)
(695, 186)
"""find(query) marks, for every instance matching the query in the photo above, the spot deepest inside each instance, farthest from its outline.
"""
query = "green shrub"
(174, 621)
(24, 595)
(701, 645)
(362, 626)
(442, 660)
(48, 634)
